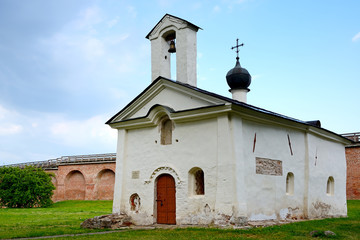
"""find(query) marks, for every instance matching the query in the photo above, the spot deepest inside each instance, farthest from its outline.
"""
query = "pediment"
(164, 92)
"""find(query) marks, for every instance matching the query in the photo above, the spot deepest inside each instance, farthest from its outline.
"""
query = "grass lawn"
(65, 217)
(61, 218)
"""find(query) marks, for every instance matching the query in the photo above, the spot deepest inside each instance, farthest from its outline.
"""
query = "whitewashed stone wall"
(223, 147)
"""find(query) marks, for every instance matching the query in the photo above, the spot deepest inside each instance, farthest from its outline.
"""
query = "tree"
(25, 187)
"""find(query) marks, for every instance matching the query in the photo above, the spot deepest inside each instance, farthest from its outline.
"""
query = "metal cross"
(237, 48)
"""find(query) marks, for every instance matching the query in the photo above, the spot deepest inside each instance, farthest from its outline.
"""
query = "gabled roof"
(169, 15)
(313, 124)
(160, 81)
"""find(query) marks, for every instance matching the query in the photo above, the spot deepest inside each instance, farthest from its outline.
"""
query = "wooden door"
(165, 200)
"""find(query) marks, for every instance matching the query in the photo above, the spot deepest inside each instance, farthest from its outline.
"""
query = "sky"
(66, 66)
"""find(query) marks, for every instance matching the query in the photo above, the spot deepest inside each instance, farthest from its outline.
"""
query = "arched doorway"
(104, 188)
(75, 186)
(166, 199)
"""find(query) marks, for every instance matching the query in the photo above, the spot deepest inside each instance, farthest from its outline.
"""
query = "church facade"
(189, 156)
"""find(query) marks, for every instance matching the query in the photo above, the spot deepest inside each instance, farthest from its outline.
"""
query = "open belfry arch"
(173, 30)
(189, 156)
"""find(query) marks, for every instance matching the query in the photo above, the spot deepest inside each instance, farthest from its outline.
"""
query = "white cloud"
(7, 119)
(231, 3)
(33, 136)
(9, 158)
(165, 3)
(127, 63)
(196, 5)
(7, 114)
(74, 49)
(114, 40)
(256, 76)
(40, 156)
(3, 112)
(93, 48)
(78, 133)
(88, 18)
(9, 129)
(356, 37)
(216, 8)
(117, 93)
(113, 22)
(132, 11)
(240, 1)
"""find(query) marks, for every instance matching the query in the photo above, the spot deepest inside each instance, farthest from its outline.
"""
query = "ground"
(65, 218)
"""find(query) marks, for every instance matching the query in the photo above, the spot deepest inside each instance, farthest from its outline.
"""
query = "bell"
(172, 48)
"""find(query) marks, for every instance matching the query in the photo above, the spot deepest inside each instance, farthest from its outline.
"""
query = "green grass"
(61, 218)
(65, 218)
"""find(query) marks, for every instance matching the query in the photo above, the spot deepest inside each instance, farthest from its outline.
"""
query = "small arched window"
(330, 186)
(196, 182)
(166, 131)
(290, 184)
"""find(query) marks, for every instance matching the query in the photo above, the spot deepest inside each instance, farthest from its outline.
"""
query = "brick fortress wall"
(352, 152)
(353, 172)
(81, 177)
(93, 181)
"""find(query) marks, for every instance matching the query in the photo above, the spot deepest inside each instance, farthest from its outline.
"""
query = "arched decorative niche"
(134, 202)
(290, 184)
(104, 185)
(159, 115)
(166, 128)
(75, 186)
(164, 170)
(196, 183)
(330, 186)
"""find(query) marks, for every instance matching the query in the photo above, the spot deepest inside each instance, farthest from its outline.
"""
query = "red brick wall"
(353, 172)
(75, 186)
(84, 182)
(104, 187)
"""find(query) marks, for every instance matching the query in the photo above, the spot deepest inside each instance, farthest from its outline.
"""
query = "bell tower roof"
(173, 19)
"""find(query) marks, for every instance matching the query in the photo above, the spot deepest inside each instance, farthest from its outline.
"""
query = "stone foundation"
(114, 221)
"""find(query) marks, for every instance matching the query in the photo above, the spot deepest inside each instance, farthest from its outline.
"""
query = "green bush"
(25, 187)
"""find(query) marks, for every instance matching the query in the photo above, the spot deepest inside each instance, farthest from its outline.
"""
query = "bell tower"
(173, 36)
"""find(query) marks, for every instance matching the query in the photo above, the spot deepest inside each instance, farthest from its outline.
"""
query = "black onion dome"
(238, 77)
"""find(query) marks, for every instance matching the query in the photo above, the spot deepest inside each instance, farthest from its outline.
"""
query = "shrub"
(25, 187)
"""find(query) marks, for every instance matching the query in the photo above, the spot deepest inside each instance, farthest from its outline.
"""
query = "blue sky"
(68, 66)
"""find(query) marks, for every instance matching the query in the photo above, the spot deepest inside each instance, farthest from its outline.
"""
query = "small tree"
(25, 187)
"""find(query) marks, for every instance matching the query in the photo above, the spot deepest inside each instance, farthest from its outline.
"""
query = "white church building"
(189, 156)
